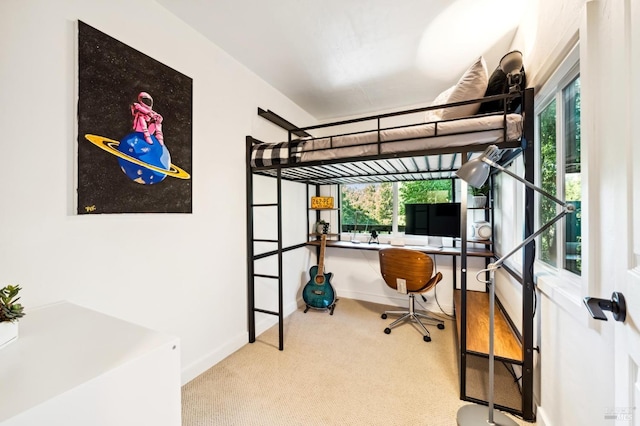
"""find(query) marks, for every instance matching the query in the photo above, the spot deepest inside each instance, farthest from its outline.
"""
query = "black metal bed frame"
(397, 167)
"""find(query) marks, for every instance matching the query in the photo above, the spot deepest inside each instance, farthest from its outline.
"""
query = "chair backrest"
(415, 267)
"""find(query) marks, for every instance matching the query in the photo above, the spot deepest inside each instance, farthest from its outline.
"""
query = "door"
(627, 280)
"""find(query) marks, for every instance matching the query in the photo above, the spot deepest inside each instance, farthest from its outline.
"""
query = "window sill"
(564, 293)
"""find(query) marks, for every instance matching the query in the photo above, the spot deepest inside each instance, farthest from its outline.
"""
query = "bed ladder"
(252, 257)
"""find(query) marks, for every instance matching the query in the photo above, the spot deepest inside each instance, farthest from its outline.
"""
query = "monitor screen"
(437, 220)
(444, 220)
(417, 219)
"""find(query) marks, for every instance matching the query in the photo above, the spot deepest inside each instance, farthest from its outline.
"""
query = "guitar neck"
(323, 243)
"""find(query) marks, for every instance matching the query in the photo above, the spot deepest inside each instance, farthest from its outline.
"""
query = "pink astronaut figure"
(145, 119)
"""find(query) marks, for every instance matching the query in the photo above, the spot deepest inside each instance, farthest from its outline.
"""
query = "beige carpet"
(334, 370)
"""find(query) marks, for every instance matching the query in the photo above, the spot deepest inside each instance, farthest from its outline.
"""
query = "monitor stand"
(434, 242)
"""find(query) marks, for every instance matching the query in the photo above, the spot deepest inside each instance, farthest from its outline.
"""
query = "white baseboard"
(198, 367)
(541, 417)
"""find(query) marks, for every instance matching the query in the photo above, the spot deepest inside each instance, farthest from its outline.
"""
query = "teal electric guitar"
(318, 293)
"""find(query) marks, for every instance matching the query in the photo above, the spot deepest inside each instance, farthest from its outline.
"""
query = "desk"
(447, 251)
(454, 252)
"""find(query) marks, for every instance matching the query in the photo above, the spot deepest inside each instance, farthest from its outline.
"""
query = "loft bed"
(389, 147)
(405, 152)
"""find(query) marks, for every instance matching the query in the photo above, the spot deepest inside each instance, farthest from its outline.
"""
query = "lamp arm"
(498, 263)
(527, 183)
(567, 208)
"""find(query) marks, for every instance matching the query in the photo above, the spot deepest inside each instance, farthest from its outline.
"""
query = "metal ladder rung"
(260, 240)
(275, 277)
(266, 312)
(265, 205)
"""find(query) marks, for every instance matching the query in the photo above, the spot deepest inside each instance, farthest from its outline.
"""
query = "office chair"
(410, 269)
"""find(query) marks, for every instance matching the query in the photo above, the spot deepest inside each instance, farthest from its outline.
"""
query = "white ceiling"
(336, 58)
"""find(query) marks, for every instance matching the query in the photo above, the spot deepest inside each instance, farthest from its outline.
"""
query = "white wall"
(546, 35)
(193, 284)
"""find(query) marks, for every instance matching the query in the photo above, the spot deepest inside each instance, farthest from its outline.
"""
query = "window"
(368, 207)
(558, 129)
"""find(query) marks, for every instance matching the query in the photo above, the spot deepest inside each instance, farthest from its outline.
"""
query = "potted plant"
(10, 312)
(478, 197)
(322, 227)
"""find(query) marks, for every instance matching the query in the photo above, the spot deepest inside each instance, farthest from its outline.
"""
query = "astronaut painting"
(134, 130)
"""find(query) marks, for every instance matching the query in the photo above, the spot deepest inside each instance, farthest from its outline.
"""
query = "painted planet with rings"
(144, 163)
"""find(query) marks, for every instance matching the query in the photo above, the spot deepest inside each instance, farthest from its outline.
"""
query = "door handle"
(617, 306)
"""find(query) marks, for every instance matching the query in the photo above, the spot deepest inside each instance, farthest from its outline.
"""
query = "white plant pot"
(322, 228)
(477, 201)
(8, 332)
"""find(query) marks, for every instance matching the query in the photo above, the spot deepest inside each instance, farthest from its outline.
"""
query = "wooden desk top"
(449, 251)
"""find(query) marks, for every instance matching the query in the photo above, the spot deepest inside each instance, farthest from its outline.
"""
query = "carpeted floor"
(334, 370)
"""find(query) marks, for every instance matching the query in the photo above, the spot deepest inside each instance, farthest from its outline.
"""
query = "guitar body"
(318, 293)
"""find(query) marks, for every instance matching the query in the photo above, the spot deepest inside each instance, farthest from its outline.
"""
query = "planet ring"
(110, 144)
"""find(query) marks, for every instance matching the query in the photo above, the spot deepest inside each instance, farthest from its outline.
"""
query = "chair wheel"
(387, 330)
(426, 338)
(440, 326)
(383, 316)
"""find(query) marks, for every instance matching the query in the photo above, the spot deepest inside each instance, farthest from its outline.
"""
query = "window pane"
(548, 173)
(572, 182)
(365, 207)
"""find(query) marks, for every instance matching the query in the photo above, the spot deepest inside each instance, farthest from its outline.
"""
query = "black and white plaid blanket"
(269, 154)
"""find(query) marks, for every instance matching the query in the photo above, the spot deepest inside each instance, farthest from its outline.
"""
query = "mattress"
(424, 137)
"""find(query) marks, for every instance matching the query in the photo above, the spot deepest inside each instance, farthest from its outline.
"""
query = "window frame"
(552, 90)
(395, 214)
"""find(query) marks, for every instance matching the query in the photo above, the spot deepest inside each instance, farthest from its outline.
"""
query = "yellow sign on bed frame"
(321, 202)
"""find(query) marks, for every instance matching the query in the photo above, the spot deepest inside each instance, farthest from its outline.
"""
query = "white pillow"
(436, 114)
(472, 85)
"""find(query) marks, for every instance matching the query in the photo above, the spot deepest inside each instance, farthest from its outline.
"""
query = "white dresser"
(72, 366)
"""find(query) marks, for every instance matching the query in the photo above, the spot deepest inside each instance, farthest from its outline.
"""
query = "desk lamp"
(475, 172)
(511, 65)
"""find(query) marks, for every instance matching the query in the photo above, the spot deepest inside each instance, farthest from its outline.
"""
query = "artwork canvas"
(134, 130)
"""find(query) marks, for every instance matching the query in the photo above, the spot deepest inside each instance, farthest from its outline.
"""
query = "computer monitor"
(444, 220)
(417, 219)
(436, 220)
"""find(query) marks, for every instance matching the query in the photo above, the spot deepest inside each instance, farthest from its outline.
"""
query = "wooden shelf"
(485, 242)
(507, 346)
